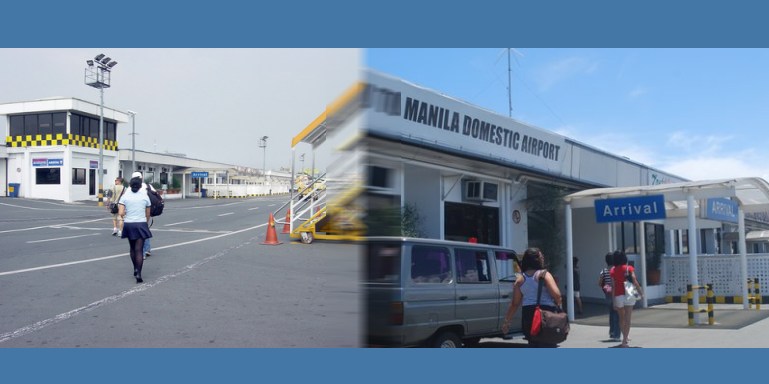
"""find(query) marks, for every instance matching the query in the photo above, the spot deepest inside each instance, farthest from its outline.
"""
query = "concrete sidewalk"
(666, 326)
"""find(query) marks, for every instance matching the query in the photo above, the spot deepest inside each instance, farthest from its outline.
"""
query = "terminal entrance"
(464, 221)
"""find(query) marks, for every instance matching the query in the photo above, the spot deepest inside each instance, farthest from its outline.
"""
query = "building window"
(30, 125)
(59, 123)
(379, 177)
(44, 124)
(17, 126)
(48, 175)
(109, 131)
(78, 176)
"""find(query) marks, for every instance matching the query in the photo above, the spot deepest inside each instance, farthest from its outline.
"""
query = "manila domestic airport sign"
(641, 208)
(721, 209)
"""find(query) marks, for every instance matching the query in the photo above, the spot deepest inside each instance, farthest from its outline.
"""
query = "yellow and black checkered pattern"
(58, 139)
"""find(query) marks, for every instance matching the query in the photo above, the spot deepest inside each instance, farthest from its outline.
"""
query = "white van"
(435, 293)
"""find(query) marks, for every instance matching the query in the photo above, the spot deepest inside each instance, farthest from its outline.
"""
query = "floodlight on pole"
(98, 76)
(133, 140)
(263, 144)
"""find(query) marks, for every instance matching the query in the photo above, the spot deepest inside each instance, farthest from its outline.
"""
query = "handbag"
(113, 208)
(551, 327)
(631, 293)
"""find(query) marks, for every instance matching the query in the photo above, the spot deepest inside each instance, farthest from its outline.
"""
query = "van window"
(430, 264)
(509, 255)
(383, 262)
(472, 266)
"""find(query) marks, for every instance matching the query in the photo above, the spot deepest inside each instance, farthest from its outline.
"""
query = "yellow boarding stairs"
(313, 218)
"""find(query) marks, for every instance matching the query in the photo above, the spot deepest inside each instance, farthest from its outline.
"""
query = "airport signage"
(199, 175)
(721, 209)
(640, 208)
(45, 162)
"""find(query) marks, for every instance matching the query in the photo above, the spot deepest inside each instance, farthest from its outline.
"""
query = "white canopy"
(752, 193)
(682, 200)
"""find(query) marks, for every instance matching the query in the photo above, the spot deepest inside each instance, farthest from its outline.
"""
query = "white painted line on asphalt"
(251, 209)
(114, 298)
(226, 214)
(125, 254)
(61, 238)
(45, 209)
(53, 226)
(181, 222)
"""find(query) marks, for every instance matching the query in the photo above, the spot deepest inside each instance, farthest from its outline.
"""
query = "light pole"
(301, 158)
(97, 75)
(263, 144)
(133, 140)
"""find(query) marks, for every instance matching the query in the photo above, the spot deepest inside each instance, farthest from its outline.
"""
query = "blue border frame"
(394, 23)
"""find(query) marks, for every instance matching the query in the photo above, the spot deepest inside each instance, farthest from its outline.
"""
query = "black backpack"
(156, 202)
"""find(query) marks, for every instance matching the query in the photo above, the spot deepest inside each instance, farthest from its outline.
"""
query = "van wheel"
(307, 237)
(446, 340)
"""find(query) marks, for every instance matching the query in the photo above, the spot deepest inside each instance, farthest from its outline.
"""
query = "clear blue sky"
(696, 113)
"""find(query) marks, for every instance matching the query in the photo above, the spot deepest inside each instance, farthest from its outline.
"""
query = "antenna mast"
(509, 85)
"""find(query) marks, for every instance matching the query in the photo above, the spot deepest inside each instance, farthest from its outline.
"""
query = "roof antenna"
(509, 85)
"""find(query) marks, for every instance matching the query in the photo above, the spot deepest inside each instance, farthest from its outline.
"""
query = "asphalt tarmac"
(65, 282)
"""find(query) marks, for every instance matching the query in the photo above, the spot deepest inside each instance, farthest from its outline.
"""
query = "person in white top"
(147, 251)
(134, 208)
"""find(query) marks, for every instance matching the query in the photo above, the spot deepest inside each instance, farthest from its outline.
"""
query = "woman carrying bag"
(620, 273)
(525, 294)
(134, 208)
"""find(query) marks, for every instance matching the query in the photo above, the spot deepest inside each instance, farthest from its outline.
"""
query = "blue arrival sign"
(640, 208)
(199, 175)
(721, 209)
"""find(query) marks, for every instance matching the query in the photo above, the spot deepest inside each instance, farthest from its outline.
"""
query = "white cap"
(136, 174)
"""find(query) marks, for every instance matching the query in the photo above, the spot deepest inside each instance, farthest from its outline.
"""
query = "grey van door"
(477, 292)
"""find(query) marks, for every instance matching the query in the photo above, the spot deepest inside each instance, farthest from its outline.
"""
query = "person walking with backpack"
(147, 250)
(134, 208)
(606, 283)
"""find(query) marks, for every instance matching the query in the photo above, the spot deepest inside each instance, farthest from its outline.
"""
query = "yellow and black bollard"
(754, 293)
(710, 299)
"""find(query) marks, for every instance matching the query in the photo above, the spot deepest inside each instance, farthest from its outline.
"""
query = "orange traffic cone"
(272, 237)
(286, 225)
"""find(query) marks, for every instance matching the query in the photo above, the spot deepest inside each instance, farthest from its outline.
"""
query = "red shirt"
(618, 275)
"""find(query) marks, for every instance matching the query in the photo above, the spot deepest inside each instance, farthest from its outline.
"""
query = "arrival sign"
(640, 208)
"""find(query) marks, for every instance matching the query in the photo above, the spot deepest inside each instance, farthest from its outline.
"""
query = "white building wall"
(519, 232)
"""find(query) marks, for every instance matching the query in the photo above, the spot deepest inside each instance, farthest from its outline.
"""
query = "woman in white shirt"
(134, 208)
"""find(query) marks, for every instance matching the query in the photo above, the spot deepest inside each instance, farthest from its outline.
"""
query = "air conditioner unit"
(474, 190)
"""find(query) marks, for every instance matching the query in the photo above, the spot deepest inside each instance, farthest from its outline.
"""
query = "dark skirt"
(135, 231)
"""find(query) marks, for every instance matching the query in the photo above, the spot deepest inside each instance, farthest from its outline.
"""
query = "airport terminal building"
(51, 151)
(469, 174)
